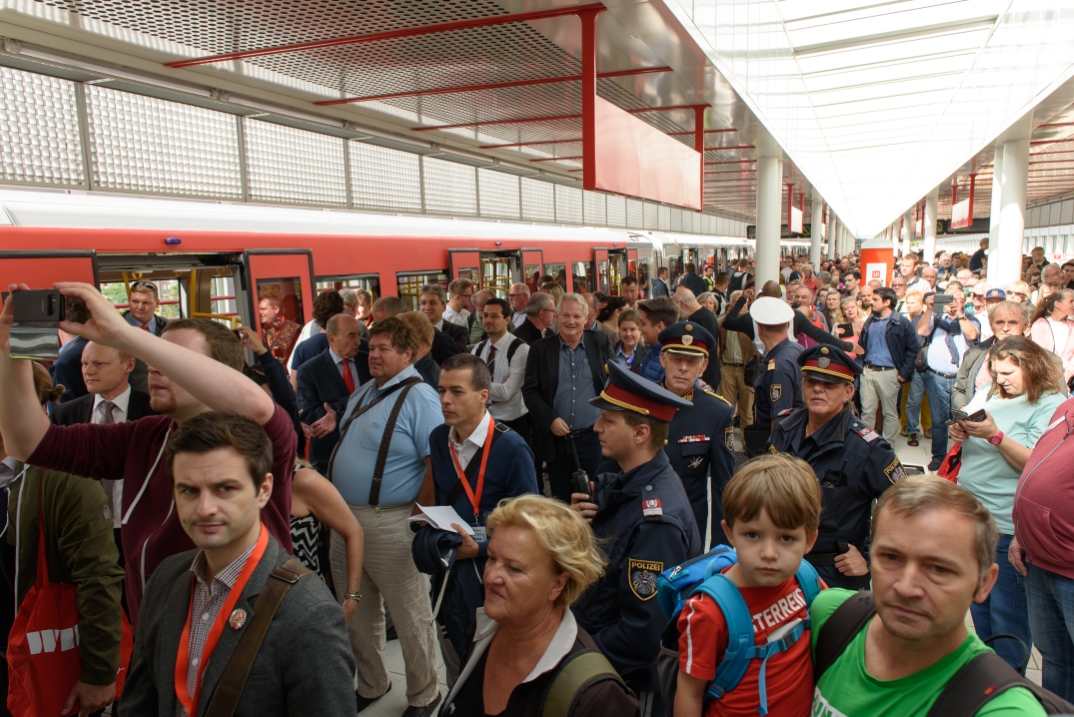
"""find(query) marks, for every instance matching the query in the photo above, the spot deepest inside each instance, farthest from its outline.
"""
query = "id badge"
(479, 534)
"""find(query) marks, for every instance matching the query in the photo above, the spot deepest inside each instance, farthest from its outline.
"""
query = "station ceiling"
(874, 102)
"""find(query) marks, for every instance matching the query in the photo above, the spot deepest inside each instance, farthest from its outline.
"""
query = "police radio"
(579, 478)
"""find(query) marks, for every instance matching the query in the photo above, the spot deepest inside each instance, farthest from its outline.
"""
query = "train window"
(582, 280)
(531, 274)
(410, 284)
(557, 272)
(222, 296)
(369, 282)
(641, 271)
(168, 290)
(287, 293)
(496, 275)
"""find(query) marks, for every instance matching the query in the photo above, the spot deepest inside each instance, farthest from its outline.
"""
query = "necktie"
(109, 485)
(348, 379)
(106, 412)
(492, 360)
(145, 327)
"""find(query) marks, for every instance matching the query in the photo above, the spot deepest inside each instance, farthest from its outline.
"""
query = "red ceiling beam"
(573, 140)
(708, 131)
(491, 86)
(732, 161)
(725, 149)
(1058, 124)
(393, 34)
(488, 123)
(1051, 141)
(557, 159)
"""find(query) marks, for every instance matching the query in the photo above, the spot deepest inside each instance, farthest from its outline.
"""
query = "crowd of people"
(509, 485)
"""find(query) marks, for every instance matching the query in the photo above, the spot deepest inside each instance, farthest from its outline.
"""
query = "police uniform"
(852, 461)
(647, 525)
(700, 444)
(778, 386)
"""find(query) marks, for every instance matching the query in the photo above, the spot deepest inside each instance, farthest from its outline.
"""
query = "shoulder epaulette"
(785, 412)
(710, 392)
(864, 431)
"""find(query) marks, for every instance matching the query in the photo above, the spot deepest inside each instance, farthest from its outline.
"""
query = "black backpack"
(515, 343)
(978, 682)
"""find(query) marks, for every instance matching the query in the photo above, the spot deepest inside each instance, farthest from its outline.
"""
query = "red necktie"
(348, 379)
(492, 360)
(145, 327)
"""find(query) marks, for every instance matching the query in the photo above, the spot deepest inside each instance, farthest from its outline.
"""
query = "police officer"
(778, 385)
(852, 461)
(645, 520)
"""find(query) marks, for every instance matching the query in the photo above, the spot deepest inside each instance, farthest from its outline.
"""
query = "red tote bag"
(42, 649)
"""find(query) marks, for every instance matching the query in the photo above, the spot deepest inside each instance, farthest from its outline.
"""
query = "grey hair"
(577, 298)
(435, 289)
(349, 296)
(538, 302)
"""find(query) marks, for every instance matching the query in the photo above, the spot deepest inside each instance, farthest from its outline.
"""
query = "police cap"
(771, 311)
(828, 364)
(688, 338)
(627, 391)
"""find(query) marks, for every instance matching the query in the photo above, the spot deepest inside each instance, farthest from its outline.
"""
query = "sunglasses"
(148, 286)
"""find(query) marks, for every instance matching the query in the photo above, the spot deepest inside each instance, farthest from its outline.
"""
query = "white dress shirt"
(505, 394)
(456, 317)
(338, 361)
(7, 474)
(473, 443)
(121, 405)
(518, 318)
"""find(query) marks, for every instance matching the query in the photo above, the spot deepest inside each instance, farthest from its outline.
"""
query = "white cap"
(981, 288)
(771, 311)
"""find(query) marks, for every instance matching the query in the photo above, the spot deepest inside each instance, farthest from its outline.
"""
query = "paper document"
(441, 517)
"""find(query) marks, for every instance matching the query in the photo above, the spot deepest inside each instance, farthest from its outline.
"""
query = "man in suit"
(67, 370)
(219, 466)
(328, 377)
(660, 283)
(540, 312)
(432, 301)
(692, 281)
(562, 373)
(143, 301)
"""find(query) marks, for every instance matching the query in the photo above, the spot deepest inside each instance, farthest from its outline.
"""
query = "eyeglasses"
(514, 296)
(496, 315)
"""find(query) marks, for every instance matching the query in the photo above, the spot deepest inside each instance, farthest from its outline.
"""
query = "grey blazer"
(305, 665)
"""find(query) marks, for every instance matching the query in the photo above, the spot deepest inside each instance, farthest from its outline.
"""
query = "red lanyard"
(182, 661)
(475, 498)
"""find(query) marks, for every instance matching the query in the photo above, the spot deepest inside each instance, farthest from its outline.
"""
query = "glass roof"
(879, 101)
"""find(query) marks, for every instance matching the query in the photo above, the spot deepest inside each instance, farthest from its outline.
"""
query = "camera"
(940, 301)
(45, 306)
(37, 315)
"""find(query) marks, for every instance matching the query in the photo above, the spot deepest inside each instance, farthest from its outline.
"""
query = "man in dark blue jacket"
(890, 344)
(476, 462)
(645, 523)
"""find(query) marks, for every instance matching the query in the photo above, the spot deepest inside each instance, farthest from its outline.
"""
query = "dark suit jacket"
(319, 382)
(528, 332)
(542, 376)
(444, 345)
(81, 409)
(304, 666)
(68, 370)
(457, 333)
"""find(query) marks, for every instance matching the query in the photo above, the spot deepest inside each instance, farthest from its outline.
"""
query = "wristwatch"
(996, 439)
(355, 596)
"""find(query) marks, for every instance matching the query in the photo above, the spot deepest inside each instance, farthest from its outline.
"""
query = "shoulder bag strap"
(386, 439)
(840, 629)
(574, 676)
(229, 690)
(353, 416)
(980, 680)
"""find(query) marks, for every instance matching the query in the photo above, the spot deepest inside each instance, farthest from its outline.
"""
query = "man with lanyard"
(853, 463)
(477, 462)
(384, 431)
(645, 523)
(188, 646)
(778, 385)
(950, 334)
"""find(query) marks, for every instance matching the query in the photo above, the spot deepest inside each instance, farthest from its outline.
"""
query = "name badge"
(479, 534)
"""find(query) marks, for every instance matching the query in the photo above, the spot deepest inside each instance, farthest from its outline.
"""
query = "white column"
(994, 214)
(769, 206)
(814, 231)
(907, 230)
(932, 202)
(894, 236)
(833, 250)
(1005, 260)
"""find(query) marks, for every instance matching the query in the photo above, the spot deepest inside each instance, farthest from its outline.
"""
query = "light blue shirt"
(575, 387)
(939, 355)
(404, 472)
(878, 353)
(135, 322)
(985, 472)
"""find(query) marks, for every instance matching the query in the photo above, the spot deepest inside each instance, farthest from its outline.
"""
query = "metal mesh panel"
(676, 220)
(568, 204)
(695, 223)
(384, 178)
(635, 214)
(294, 166)
(39, 130)
(450, 188)
(649, 216)
(617, 211)
(499, 194)
(538, 201)
(144, 144)
(663, 217)
(596, 209)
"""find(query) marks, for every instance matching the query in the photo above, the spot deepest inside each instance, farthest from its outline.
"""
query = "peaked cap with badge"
(828, 364)
(627, 391)
(688, 338)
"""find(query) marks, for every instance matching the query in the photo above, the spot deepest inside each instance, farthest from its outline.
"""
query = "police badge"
(824, 362)
(643, 575)
(687, 339)
(775, 391)
(729, 438)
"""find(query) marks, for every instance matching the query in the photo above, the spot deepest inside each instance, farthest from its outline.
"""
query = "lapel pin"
(237, 619)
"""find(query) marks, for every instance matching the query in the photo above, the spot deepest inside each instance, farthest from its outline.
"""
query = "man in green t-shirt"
(933, 548)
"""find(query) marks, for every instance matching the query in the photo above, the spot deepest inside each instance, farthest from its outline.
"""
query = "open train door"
(600, 270)
(286, 274)
(465, 264)
(41, 269)
(532, 267)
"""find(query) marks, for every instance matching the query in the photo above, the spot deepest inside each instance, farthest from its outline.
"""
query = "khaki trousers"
(733, 387)
(881, 387)
(389, 578)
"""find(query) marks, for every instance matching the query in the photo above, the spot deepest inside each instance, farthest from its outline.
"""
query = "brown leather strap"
(386, 440)
(350, 419)
(225, 699)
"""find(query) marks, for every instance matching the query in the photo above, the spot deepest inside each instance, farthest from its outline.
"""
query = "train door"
(600, 271)
(499, 270)
(532, 267)
(465, 264)
(285, 275)
(618, 267)
(41, 269)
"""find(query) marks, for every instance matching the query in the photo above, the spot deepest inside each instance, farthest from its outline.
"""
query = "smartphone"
(940, 302)
(957, 416)
(848, 329)
(41, 306)
(37, 315)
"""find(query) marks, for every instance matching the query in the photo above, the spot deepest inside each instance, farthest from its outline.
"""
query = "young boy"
(656, 315)
(771, 512)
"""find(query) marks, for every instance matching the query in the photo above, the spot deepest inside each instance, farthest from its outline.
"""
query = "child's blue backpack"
(703, 575)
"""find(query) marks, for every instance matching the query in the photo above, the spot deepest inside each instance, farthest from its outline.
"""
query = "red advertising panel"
(638, 160)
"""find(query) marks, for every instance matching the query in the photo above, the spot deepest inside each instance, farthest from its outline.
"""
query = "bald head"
(344, 335)
(771, 288)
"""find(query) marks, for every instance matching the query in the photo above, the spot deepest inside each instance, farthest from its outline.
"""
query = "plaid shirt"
(207, 601)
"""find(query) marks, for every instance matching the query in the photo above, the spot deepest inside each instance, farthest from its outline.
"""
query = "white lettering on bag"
(48, 640)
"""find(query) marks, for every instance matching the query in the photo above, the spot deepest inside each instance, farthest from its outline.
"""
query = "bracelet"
(355, 596)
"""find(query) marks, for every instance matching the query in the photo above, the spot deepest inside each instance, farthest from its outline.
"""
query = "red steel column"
(973, 181)
(699, 144)
(589, 97)
(790, 203)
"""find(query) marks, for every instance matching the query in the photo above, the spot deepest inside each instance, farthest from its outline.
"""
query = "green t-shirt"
(847, 690)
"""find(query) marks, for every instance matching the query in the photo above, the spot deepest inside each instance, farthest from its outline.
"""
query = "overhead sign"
(960, 214)
(796, 220)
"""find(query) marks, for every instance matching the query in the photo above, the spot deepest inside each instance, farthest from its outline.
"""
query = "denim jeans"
(939, 392)
(1051, 618)
(1005, 610)
(913, 402)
